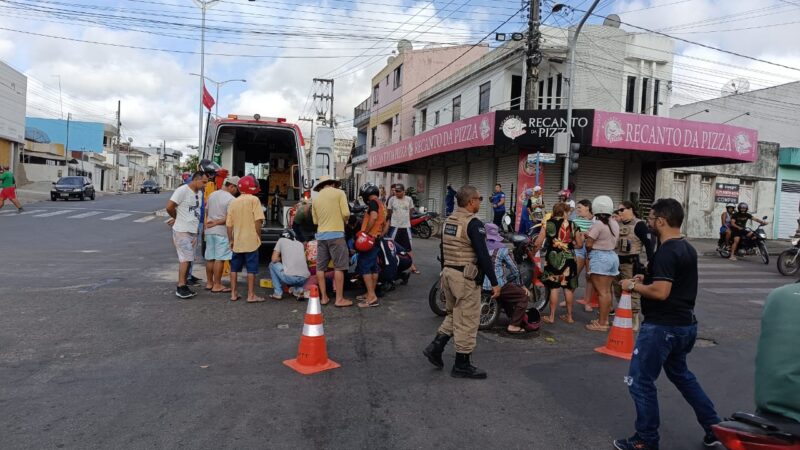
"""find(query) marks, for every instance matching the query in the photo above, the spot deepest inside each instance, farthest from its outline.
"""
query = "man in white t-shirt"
(399, 209)
(184, 211)
(218, 248)
(289, 267)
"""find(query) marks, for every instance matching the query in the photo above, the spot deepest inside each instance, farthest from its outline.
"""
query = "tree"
(190, 164)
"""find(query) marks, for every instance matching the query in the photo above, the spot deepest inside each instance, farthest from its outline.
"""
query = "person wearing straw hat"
(330, 212)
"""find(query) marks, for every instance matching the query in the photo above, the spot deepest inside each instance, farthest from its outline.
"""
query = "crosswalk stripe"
(54, 213)
(86, 214)
(741, 281)
(728, 291)
(145, 219)
(116, 216)
(33, 211)
(719, 266)
(8, 211)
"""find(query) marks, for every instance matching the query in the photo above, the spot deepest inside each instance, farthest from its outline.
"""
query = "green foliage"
(412, 192)
(190, 165)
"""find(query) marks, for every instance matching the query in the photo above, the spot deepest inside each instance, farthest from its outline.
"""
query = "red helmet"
(248, 185)
(364, 242)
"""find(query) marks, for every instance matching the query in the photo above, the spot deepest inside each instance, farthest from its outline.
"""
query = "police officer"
(634, 240)
(466, 260)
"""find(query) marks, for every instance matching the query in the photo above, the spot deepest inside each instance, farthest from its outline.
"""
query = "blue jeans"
(660, 346)
(279, 278)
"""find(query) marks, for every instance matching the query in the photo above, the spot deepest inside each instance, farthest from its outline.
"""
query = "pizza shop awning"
(671, 142)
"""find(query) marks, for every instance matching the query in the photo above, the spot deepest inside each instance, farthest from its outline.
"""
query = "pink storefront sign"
(684, 137)
(475, 131)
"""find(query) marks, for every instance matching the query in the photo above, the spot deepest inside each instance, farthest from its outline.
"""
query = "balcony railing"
(361, 113)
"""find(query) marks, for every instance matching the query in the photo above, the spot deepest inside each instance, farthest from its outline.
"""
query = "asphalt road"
(96, 352)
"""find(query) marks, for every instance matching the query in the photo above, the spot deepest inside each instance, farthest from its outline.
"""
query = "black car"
(72, 187)
(150, 186)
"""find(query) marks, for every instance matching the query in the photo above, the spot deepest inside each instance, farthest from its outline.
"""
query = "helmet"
(730, 206)
(743, 207)
(208, 167)
(368, 190)
(602, 204)
(288, 234)
(248, 185)
(364, 242)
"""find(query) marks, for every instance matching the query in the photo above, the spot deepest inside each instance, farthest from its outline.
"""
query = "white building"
(13, 91)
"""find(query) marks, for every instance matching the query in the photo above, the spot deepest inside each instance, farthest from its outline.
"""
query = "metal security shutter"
(505, 173)
(479, 176)
(600, 176)
(553, 174)
(787, 219)
(435, 201)
(455, 176)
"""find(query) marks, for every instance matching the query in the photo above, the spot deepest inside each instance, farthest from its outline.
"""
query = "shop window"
(644, 95)
(424, 120)
(456, 108)
(630, 95)
(398, 77)
(516, 92)
(484, 97)
(436, 118)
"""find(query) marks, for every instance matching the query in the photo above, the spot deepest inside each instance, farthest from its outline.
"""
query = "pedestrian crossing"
(743, 279)
(79, 214)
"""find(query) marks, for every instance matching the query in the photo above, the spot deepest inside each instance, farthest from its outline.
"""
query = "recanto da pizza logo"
(513, 127)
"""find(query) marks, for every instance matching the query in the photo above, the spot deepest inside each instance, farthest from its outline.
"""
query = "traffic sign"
(543, 158)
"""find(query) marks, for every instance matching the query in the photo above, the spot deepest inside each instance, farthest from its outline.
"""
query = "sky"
(82, 56)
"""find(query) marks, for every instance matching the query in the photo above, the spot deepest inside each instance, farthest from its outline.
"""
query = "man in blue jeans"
(288, 267)
(668, 333)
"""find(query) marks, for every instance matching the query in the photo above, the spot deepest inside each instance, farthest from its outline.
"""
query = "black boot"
(464, 369)
(434, 350)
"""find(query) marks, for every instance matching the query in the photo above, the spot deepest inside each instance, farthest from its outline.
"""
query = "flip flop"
(221, 291)
(564, 318)
(238, 297)
(257, 300)
(276, 297)
(597, 327)
(520, 331)
(208, 288)
(547, 320)
(349, 303)
(365, 304)
(361, 298)
(416, 271)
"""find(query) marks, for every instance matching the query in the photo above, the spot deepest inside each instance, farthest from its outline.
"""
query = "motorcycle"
(749, 245)
(789, 261)
(491, 308)
(758, 432)
(421, 224)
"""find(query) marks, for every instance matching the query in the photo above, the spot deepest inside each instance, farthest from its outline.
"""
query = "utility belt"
(638, 267)
(470, 271)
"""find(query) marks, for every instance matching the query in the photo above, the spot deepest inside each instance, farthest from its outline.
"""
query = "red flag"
(208, 100)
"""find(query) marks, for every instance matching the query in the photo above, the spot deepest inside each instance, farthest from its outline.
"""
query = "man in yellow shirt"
(330, 212)
(244, 220)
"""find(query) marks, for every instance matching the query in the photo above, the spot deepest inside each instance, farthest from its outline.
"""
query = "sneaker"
(633, 443)
(184, 292)
(710, 440)
(20, 210)
(193, 281)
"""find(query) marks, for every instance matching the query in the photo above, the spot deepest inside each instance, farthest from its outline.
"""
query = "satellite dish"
(404, 45)
(612, 20)
(735, 86)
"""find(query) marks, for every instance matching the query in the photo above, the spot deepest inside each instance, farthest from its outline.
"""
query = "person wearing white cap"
(537, 205)
(218, 248)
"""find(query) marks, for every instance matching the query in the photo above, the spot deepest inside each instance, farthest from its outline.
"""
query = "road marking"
(8, 211)
(33, 211)
(145, 219)
(84, 215)
(116, 216)
(720, 266)
(740, 281)
(757, 302)
(728, 291)
(54, 213)
(171, 217)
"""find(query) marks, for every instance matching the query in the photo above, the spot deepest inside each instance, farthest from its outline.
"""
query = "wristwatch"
(633, 286)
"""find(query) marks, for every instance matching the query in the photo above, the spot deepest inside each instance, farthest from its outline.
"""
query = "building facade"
(787, 193)
(13, 91)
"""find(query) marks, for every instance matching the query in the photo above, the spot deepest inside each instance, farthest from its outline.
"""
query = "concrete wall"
(43, 172)
(773, 112)
(696, 192)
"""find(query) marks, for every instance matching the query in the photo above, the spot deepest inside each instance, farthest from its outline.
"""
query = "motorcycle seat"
(518, 238)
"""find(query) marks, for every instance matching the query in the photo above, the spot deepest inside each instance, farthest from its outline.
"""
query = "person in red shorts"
(8, 190)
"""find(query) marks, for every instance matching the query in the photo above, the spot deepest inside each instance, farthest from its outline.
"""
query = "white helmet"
(602, 204)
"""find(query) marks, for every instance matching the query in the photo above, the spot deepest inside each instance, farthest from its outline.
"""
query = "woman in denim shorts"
(603, 261)
(584, 220)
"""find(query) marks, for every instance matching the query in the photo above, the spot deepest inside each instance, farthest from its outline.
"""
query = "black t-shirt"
(477, 235)
(373, 207)
(741, 218)
(674, 261)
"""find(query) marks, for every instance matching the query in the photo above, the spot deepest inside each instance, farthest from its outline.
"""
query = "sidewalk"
(708, 247)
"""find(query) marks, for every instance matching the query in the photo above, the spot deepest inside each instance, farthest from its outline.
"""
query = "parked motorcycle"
(749, 245)
(529, 272)
(758, 432)
(422, 224)
(789, 261)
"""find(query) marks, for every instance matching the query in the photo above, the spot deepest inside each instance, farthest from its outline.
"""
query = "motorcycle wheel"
(541, 297)
(424, 231)
(490, 311)
(724, 251)
(788, 264)
(436, 300)
(762, 249)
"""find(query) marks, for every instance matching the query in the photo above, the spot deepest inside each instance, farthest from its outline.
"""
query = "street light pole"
(203, 4)
(217, 84)
(571, 89)
(740, 115)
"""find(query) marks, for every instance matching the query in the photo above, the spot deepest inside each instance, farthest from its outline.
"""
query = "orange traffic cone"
(312, 354)
(594, 302)
(620, 340)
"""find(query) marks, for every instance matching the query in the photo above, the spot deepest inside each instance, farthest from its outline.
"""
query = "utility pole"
(323, 101)
(66, 148)
(116, 147)
(533, 55)
(204, 5)
(310, 150)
